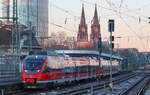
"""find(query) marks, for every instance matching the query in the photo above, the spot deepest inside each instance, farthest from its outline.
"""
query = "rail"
(100, 85)
(70, 89)
(138, 87)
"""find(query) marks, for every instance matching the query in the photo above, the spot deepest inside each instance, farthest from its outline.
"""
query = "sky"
(131, 20)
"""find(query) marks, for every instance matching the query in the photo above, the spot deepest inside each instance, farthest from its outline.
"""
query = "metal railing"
(10, 69)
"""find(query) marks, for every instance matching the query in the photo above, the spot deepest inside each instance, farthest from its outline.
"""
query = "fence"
(10, 68)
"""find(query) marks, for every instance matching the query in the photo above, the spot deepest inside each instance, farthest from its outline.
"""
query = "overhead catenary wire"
(68, 12)
(61, 26)
(64, 10)
(143, 18)
(128, 25)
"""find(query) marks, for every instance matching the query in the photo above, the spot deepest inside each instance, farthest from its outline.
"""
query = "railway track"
(63, 87)
(91, 88)
(137, 88)
(88, 88)
(132, 86)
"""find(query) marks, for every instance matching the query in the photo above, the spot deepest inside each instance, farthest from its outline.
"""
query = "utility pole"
(17, 29)
(111, 29)
(28, 5)
(37, 18)
(29, 24)
(13, 27)
(8, 7)
(100, 51)
(30, 36)
(15, 36)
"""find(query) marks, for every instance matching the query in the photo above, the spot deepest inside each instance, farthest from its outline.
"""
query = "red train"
(42, 69)
(147, 67)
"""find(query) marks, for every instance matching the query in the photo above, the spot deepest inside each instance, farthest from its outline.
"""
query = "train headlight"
(38, 70)
(26, 71)
(36, 57)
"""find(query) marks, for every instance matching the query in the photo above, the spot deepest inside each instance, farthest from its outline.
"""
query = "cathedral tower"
(95, 28)
(82, 33)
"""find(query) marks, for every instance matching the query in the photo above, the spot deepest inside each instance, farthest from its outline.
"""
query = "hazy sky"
(131, 22)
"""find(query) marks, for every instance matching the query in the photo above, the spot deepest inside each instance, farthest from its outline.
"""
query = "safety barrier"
(9, 69)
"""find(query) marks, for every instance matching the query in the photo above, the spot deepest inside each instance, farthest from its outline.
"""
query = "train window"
(55, 63)
(33, 64)
(46, 69)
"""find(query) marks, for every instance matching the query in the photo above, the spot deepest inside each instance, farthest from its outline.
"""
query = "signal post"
(111, 29)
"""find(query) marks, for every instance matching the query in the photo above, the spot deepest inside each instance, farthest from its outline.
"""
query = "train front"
(32, 70)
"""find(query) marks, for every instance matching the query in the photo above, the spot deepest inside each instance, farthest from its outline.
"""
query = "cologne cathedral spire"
(95, 19)
(95, 28)
(82, 21)
(82, 33)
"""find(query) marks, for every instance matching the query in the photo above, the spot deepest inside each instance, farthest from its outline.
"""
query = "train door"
(90, 68)
(64, 69)
(77, 69)
(71, 68)
(56, 66)
(52, 64)
(87, 67)
(68, 69)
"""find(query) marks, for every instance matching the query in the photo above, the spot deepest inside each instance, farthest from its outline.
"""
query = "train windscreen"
(33, 64)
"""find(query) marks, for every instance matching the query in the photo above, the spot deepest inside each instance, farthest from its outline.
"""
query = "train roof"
(36, 56)
(74, 53)
(87, 52)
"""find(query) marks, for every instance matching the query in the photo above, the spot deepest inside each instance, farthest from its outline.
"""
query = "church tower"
(82, 33)
(95, 28)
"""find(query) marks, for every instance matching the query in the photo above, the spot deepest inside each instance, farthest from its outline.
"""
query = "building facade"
(35, 14)
(32, 13)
